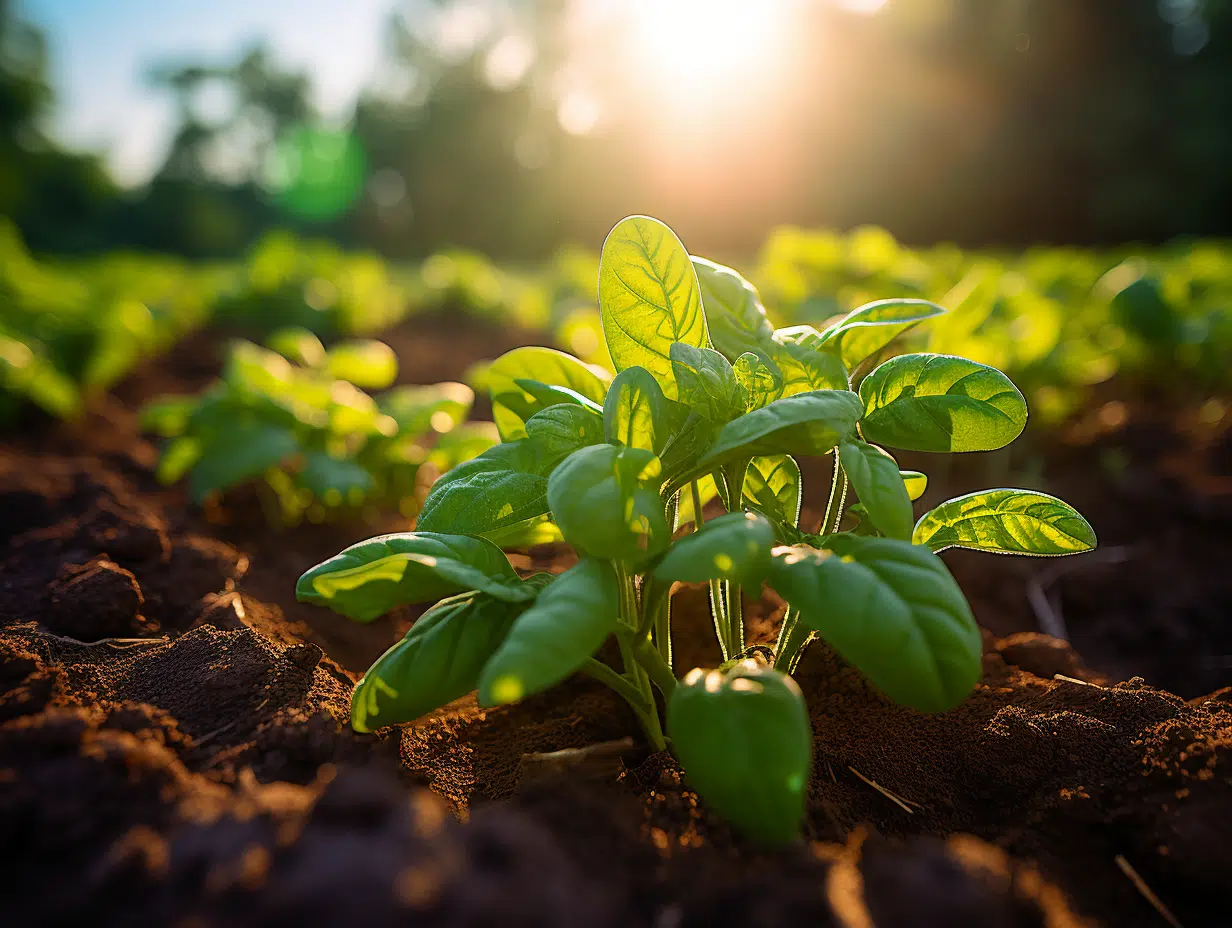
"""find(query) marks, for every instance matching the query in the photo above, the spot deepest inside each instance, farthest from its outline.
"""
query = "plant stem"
(735, 618)
(646, 708)
(697, 505)
(656, 668)
(793, 636)
(842, 504)
(606, 675)
(830, 503)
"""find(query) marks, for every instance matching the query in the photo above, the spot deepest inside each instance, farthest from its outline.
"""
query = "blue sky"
(101, 50)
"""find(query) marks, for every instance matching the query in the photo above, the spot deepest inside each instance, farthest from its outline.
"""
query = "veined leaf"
(544, 395)
(807, 423)
(688, 442)
(772, 484)
(635, 413)
(545, 365)
(746, 745)
(890, 608)
(606, 502)
(735, 316)
(762, 383)
(438, 661)
(562, 429)
(803, 363)
(1006, 521)
(865, 331)
(706, 383)
(649, 298)
(571, 618)
(500, 488)
(878, 483)
(366, 580)
(935, 402)
(735, 547)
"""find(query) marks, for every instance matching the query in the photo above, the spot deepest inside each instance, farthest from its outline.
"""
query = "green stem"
(824, 528)
(842, 504)
(697, 505)
(718, 609)
(735, 619)
(646, 708)
(793, 637)
(606, 675)
(657, 669)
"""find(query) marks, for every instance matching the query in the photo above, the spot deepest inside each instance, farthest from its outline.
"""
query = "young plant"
(707, 392)
(295, 421)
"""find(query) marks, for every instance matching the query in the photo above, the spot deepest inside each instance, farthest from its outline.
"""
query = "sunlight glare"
(697, 45)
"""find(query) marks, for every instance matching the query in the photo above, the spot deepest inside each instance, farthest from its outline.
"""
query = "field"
(175, 732)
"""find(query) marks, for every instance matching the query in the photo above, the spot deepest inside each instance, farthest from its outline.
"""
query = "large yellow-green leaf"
(1006, 521)
(649, 298)
(735, 316)
(937, 402)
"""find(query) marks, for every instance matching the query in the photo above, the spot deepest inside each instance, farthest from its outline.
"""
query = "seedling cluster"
(708, 398)
(292, 418)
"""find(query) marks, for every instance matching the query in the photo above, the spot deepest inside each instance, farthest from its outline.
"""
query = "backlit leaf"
(735, 316)
(1006, 521)
(635, 413)
(866, 330)
(545, 365)
(706, 383)
(932, 402)
(772, 484)
(649, 298)
(878, 483)
(734, 547)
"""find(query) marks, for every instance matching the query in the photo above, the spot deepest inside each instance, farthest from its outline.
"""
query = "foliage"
(606, 462)
(70, 331)
(295, 421)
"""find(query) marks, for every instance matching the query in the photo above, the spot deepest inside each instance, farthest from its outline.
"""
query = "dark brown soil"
(174, 746)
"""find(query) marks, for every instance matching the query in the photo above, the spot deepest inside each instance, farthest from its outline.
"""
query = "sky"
(101, 51)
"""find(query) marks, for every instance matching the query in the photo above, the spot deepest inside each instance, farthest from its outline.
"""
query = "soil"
(174, 746)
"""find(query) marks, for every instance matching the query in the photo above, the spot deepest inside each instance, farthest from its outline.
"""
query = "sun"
(696, 46)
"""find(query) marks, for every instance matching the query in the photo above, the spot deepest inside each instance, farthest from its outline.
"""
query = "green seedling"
(611, 464)
(295, 422)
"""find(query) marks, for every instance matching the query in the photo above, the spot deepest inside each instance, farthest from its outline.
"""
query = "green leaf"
(438, 407)
(761, 383)
(772, 485)
(878, 483)
(502, 487)
(606, 502)
(328, 477)
(865, 331)
(706, 383)
(540, 530)
(438, 661)
(936, 402)
(1006, 522)
(366, 580)
(707, 490)
(562, 429)
(168, 416)
(688, 442)
(745, 743)
(807, 423)
(178, 456)
(915, 482)
(735, 547)
(367, 363)
(635, 413)
(297, 344)
(803, 363)
(571, 618)
(544, 365)
(544, 395)
(648, 298)
(245, 451)
(735, 316)
(890, 608)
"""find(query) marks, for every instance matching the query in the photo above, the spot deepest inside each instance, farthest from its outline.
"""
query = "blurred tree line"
(976, 121)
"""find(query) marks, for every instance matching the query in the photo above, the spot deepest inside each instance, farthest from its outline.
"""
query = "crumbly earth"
(174, 746)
